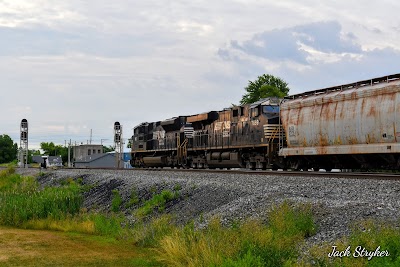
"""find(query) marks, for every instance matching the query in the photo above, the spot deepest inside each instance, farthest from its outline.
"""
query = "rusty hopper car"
(241, 136)
(353, 126)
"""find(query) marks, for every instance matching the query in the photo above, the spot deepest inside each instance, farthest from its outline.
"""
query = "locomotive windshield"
(271, 111)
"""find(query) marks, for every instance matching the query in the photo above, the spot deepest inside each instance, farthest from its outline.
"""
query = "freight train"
(351, 126)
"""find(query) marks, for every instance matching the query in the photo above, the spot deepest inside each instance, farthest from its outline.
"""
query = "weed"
(149, 234)
(116, 201)
(248, 244)
(153, 189)
(201, 218)
(287, 220)
(156, 202)
(107, 225)
(177, 187)
(22, 200)
(134, 199)
(367, 234)
(68, 224)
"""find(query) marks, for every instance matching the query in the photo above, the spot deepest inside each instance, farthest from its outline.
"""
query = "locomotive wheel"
(295, 165)
(250, 165)
(264, 166)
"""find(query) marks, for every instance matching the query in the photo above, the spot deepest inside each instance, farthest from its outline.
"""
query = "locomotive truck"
(351, 126)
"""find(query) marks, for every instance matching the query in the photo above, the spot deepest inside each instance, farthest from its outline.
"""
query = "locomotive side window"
(254, 112)
(235, 113)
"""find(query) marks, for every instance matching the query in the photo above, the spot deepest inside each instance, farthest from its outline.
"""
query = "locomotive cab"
(272, 113)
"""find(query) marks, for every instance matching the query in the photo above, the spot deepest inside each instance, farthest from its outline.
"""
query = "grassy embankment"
(92, 239)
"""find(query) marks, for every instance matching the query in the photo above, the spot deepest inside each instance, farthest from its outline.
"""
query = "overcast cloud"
(71, 66)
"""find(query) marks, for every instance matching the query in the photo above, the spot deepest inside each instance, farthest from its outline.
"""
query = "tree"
(51, 149)
(8, 149)
(31, 153)
(266, 85)
(107, 149)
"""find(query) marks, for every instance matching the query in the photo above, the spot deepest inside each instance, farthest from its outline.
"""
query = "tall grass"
(249, 244)
(367, 234)
(21, 199)
(149, 234)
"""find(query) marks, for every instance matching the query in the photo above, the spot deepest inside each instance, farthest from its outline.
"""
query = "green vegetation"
(149, 234)
(133, 200)
(8, 149)
(51, 149)
(264, 86)
(22, 200)
(249, 244)
(116, 201)
(367, 234)
(157, 202)
(24, 204)
(21, 247)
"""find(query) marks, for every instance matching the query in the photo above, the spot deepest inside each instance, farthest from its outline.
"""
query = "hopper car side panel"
(352, 128)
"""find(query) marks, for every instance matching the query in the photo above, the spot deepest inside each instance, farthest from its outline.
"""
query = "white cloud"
(82, 65)
(25, 13)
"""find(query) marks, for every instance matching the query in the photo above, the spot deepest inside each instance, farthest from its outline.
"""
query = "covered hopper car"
(352, 126)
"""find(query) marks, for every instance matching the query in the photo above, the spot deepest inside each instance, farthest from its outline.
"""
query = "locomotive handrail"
(182, 150)
(356, 85)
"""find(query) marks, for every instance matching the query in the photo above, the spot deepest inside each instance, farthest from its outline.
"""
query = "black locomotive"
(236, 137)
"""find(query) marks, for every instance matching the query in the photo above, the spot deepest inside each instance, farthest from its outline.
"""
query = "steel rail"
(347, 175)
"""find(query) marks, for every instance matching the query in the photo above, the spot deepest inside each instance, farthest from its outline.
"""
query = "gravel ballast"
(337, 203)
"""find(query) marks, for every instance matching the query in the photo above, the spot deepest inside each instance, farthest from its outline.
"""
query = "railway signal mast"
(118, 143)
(23, 145)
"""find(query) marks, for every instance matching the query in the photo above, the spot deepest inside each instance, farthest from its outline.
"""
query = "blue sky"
(72, 66)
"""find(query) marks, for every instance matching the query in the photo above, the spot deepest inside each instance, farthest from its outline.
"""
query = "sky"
(72, 68)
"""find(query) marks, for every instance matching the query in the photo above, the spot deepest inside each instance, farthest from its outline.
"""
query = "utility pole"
(101, 142)
(69, 154)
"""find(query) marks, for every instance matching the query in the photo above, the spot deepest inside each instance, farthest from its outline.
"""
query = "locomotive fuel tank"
(359, 118)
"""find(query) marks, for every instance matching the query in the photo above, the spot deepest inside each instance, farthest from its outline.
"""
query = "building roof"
(89, 145)
(94, 157)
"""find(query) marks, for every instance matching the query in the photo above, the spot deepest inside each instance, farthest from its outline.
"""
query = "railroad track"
(333, 174)
(353, 175)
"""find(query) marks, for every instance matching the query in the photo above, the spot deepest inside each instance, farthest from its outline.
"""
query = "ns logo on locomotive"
(351, 126)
